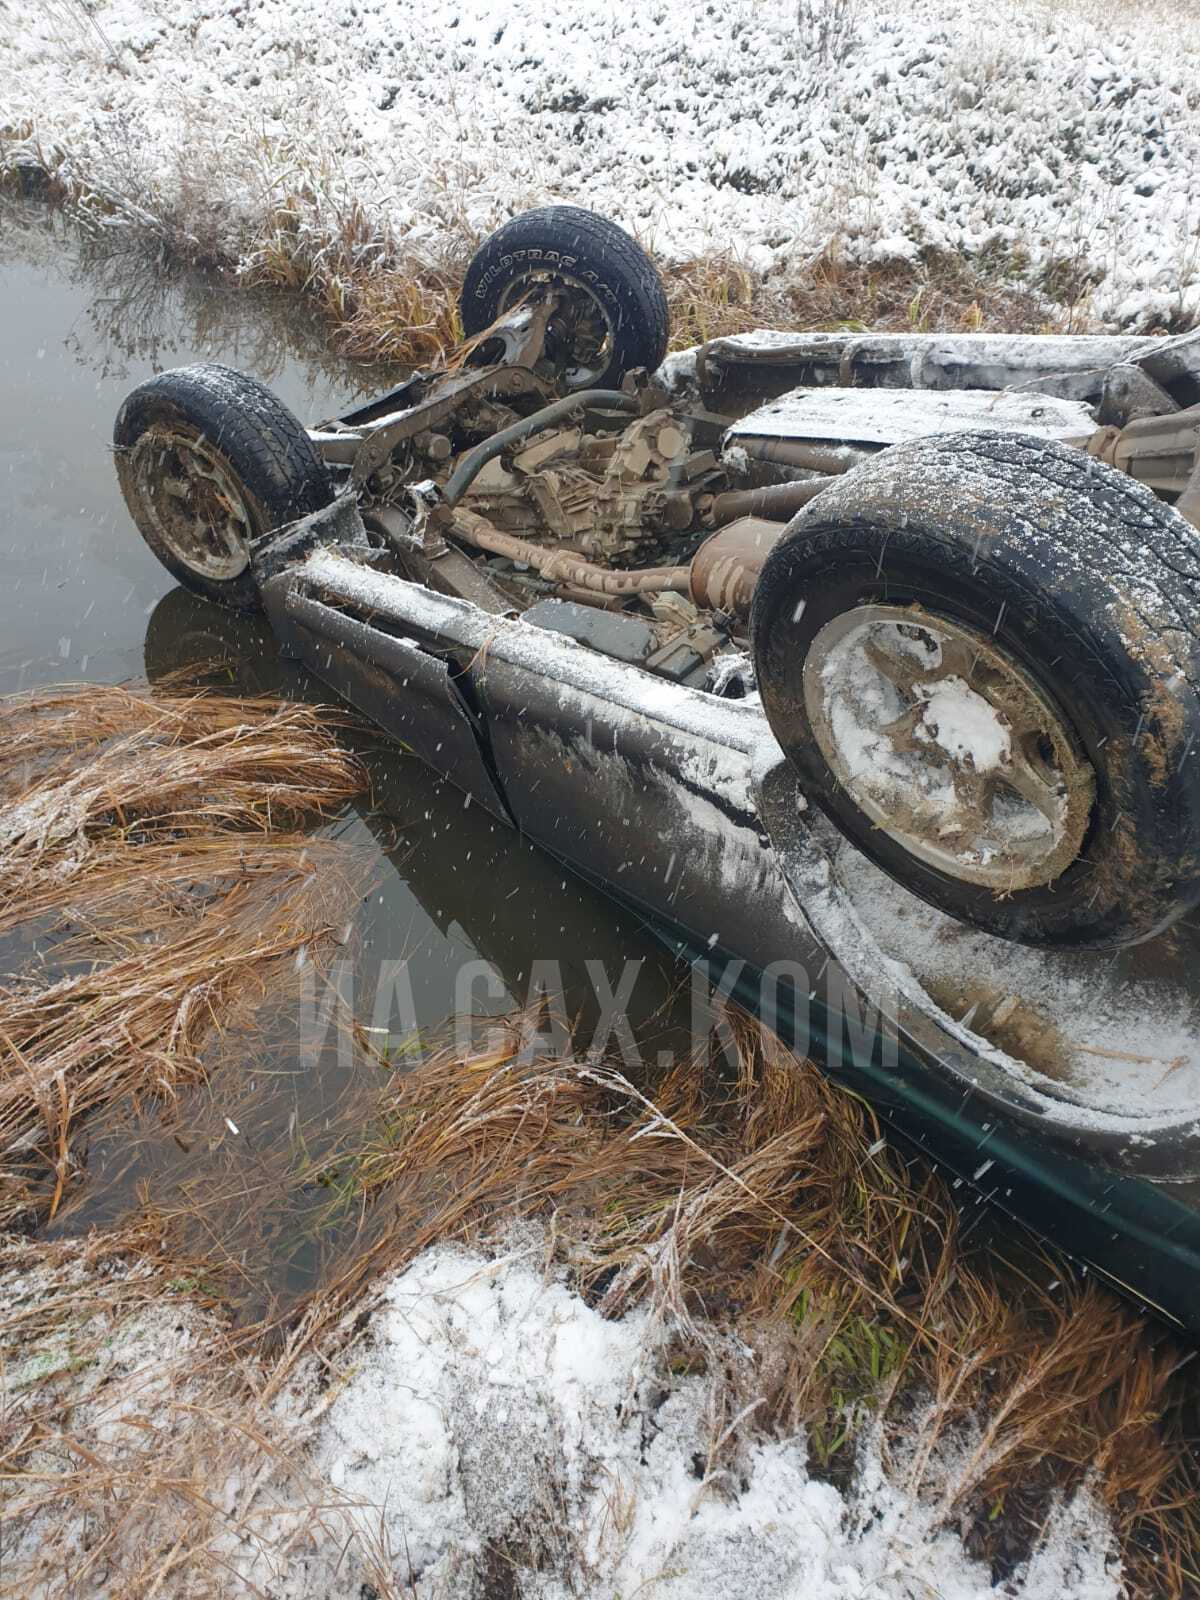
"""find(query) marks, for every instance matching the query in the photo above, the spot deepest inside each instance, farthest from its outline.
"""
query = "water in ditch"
(460, 900)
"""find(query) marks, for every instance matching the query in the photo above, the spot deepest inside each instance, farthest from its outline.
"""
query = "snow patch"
(892, 416)
(1073, 142)
(489, 1406)
(962, 723)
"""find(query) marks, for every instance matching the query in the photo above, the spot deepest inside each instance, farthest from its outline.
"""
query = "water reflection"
(462, 905)
(87, 322)
(139, 313)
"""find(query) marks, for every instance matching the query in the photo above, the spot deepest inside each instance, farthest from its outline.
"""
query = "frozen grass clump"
(157, 882)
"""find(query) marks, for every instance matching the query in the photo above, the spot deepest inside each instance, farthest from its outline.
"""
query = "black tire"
(263, 446)
(1088, 583)
(588, 250)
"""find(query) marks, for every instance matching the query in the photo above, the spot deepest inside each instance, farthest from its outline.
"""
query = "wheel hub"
(196, 503)
(948, 746)
(579, 334)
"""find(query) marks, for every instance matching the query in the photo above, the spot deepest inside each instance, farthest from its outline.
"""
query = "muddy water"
(460, 900)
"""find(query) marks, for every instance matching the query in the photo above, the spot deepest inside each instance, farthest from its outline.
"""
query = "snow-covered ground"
(489, 1417)
(1025, 125)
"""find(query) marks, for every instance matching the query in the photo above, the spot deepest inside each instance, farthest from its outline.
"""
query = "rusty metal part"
(678, 512)
(1175, 364)
(519, 331)
(440, 566)
(831, 459)
(778, 501)
(193, 498)
(636, 492)
(411, 410)
(684, 658)
(442, 401)
(589, 597)
(1130, 393)
(1188, 504)
(475, 460)
(575, 330)
(453, 572)
(558, 566)
(401, 397)
(725, 569)
(1161, 452)
(1100, 444)
(392, 524)
(601, 496)
(435, 446)
(522, 330)
(336, 444)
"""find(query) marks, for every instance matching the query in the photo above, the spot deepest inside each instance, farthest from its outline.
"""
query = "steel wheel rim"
(194, 501)
(580, 325)
(996, 793)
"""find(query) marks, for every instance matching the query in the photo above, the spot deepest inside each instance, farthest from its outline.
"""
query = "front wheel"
(981, 653)
(209, 460)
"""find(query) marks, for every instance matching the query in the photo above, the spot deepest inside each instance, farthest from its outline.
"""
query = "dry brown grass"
(157, 881)
(90, 770)
(761, 1201)
(717, 295)
(133, 1427)
(409, 313)
(155, 878)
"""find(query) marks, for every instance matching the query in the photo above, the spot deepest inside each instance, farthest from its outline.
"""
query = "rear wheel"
(611, 311)
(980, 651)
(208, 461)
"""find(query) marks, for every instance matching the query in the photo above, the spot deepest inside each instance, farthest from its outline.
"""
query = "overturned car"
(865, 666)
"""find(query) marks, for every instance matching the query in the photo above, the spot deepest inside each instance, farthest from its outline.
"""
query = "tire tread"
(265, 444)
(637, 282)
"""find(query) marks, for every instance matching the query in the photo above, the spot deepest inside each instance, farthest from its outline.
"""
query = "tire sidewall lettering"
(509, 267)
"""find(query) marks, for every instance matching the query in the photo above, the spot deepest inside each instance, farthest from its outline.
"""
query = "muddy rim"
(194, 501)
(579, 334)
(948, 746)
